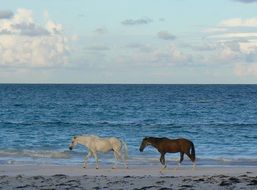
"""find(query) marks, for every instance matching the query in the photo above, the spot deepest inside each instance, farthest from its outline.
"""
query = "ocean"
(37, 121)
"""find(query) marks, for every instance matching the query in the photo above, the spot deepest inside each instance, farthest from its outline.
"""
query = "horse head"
(145, 142)
(74, 142)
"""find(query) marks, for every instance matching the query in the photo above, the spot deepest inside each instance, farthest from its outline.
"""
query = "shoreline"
(134, 170)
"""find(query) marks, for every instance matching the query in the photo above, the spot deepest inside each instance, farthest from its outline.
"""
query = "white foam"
(34, 154)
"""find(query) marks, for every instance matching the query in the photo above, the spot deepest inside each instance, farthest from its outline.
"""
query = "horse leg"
(118, 154)
(162, 160)
(194, 165)
(116, 159)
(96, 160)
(181, 159)
(86, 158)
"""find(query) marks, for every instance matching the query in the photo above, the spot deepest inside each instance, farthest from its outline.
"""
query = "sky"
(128, 41)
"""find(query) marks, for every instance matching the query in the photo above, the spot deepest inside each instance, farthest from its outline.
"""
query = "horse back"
(101, 144)
(108, 144)
(175, 145)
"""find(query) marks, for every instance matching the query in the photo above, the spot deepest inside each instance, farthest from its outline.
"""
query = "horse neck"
(153, 142)
(83, 140)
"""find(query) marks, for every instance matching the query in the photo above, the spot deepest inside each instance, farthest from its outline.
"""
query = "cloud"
(25, 43)
(97, 48)
(246, 1)
(238, 22)
(235, 44)
(134, 45)
(6, 14)
(101, 31)
(203, 46)
(139, 47)
(161, 19)
(140, 21)
(233, 51)
(164, 35)
(234, 28)
(29, 29)
(169, 55)
(23, 23)
(24, 51)
(53, 27)
(235, 41)
(215, 29)
(246, 70)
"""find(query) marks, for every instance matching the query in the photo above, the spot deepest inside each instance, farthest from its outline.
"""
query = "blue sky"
(146, 41)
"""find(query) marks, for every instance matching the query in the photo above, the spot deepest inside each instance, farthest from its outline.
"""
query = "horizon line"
(50, 83)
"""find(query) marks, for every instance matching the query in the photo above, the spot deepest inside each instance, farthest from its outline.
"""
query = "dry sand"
(136, 177)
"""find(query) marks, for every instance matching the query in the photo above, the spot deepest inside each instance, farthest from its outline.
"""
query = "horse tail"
(192, 154)
(125, 150)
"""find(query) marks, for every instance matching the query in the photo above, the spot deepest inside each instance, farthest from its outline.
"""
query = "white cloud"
(53, 27)
(236, 44)
(97, 48)
(215, 29)
(234, 28)
(246, 70)
(248, 47)
(235, 35)
(25, 43)
(227, 53)
(159, 56)
(171, 55)
(238, 22)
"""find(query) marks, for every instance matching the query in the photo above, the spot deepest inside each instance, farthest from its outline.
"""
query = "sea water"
(37, 121)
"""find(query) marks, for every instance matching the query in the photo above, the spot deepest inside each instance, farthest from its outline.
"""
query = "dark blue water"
(38, 121)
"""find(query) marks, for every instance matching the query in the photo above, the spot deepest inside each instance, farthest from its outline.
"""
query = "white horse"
(96, 144)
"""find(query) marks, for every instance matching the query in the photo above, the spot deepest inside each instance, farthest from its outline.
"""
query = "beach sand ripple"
(127, 182)
(135, 178)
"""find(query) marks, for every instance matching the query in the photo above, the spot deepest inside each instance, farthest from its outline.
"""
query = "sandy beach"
(75, 177)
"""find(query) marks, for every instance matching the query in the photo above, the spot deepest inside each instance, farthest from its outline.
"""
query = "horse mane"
(157, 139)
(85, 135)
(92, 136)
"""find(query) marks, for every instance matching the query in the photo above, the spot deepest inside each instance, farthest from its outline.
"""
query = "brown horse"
(165, 145)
